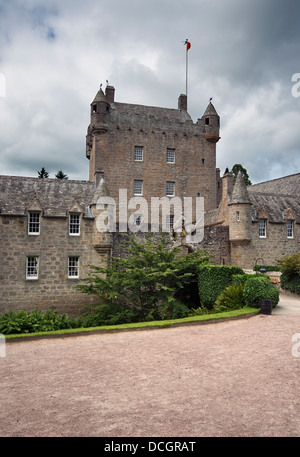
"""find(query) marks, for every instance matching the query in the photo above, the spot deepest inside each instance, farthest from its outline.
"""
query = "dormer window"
(34, 223)
(94, 109)
(207, 121)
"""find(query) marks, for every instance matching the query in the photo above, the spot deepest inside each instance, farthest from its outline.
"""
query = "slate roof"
(276, 197)
(288, 185)
(148, 114)
(56, 197)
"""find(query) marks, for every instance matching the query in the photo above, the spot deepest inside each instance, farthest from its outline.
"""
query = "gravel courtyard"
(233, 378)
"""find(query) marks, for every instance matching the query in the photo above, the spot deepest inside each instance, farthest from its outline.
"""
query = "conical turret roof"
(210, 110)
(240, 192)
(100, 97)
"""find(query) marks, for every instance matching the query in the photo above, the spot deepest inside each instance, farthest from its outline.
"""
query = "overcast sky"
(54, 54)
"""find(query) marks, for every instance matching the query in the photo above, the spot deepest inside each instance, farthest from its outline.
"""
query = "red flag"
(188, 45)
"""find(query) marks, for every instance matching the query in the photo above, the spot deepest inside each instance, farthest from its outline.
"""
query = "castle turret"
(100, 108)
(239, 212)
(211, 124)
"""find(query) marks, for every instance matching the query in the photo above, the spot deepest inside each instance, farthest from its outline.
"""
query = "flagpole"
(188, 45)
(186, 72)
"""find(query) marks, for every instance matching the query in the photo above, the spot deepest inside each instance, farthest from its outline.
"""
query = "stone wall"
(53, 289)
(273, 247)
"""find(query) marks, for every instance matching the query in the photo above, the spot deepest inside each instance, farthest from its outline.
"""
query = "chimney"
(182, 102)
(110, 94)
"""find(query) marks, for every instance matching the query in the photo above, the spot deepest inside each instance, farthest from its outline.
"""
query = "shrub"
(212, 280)
(257, 289)
(290, 282)
(16, 322)
(290, 264)
(231, 298)
(148, 281)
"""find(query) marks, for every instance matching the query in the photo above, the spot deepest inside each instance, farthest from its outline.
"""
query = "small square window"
(170, 189)
(32, 268)
(73, 267)
(138, 153)
(74, 224)
(138, 187)
(34, 223)
(170, 155)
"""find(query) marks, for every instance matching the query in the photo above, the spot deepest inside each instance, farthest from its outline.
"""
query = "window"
(94, 109)
(262, 228)
(170, 155)
(34, 223)
(32, 268)
(170, 221)
(73, 267)
(290, 229)
(74, 224)
(138, 187)
(138, 153)
(238, 216)
(207, 121)
(170, 189)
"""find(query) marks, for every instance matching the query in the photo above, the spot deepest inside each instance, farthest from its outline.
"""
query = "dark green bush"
(213, 279)
(290, 282)
(231, 298)
(16, 322)
(258, 288)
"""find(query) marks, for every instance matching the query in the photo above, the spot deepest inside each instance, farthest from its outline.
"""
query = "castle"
(49, 234)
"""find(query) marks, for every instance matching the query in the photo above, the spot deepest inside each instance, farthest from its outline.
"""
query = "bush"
(290, 282)
(213, 279)
(257, 289)
(149, 281)
(231, 298)
(16, 322)
(290, 264)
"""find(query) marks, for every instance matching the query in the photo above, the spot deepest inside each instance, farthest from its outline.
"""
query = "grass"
(141, 325)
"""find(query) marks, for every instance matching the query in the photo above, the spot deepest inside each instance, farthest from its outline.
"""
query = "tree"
(43, 173)
(61, 175)
(235, 170)
(146, 281)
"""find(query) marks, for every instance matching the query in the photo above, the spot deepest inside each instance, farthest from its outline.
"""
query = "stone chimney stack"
(182, 102)
(110, 94)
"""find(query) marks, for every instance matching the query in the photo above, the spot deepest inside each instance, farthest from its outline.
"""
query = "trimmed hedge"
(257, 289)
(213, 279)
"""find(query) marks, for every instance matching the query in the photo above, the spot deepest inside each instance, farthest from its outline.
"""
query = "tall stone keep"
(151, 151)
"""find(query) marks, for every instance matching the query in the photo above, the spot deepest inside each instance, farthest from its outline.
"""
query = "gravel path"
(233, 378)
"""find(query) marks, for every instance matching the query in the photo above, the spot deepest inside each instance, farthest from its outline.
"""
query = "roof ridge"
(275, 179)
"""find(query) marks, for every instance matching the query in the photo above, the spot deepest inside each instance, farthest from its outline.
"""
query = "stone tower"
(239, 215)
(151, 151)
